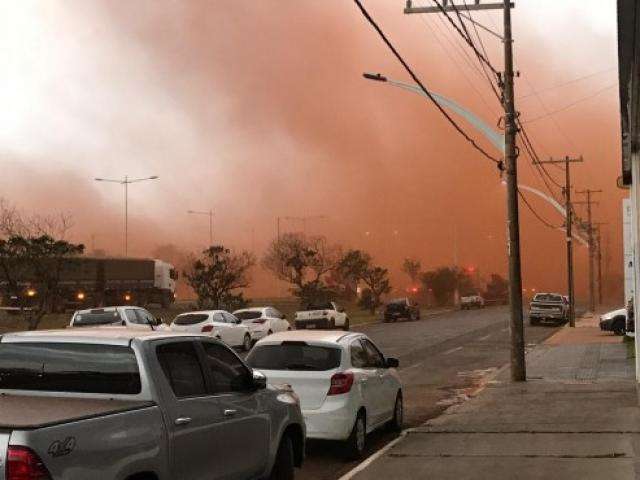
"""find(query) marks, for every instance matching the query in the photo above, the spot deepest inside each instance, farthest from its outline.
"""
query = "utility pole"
(590, 231)
(518, 368)
(568, 225)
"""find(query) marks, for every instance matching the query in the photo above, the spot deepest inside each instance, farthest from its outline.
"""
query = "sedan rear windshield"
(190, 318)
(320, 306)
(69, 367)
(294, 356)
(547, 297)
(250, 315)
(96, 317)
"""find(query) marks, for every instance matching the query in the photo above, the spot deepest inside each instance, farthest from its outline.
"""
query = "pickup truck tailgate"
(18, 412)
(4, 442)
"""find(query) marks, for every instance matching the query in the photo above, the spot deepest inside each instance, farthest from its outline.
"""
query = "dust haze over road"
(258, 109)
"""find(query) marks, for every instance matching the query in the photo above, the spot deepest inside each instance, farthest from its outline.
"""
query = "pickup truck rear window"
(546, 297)
(319, 306)
(69, 367)
(294, 357)
(190, 318)
(250, 315)
(97, 317)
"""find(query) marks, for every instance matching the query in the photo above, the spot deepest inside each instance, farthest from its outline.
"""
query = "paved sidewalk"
(576, 418)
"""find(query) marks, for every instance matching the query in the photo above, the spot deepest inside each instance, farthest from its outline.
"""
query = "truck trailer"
(96, 282)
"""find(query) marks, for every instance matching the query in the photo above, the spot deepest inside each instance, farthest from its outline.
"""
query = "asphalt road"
(442, 360)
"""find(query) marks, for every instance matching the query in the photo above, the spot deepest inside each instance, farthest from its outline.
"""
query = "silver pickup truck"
(121, 404)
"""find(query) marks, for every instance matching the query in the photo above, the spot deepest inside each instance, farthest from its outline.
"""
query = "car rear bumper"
(312, 323)
(333, 421)
(547, 315)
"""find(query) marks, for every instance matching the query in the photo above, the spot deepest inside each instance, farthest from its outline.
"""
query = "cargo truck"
(96, 282)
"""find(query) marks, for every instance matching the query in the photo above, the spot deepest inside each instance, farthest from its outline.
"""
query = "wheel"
(246, 342)
(288, 329)
(269, 332)
(355, 444)
(345, 327)
(533, 322)
(283, 466)
(395, 424)
(618, 327)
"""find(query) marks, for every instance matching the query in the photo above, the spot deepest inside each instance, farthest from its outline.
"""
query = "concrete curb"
(427, 315)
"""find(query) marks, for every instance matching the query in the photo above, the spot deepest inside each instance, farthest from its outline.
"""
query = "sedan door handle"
(230, 413)
(183, 421)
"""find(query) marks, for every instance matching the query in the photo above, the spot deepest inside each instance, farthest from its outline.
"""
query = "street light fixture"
(210, 215)
(126, 181)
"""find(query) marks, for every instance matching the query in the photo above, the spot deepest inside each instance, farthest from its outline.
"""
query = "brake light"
(341, 383)
(207, 328)
(24, 464)
(260, 320)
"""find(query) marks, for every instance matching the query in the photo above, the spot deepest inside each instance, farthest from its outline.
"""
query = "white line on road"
(412, 366)
(482, 339)
(448, 352)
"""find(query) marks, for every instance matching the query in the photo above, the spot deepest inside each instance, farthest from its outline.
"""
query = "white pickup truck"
(322, 315)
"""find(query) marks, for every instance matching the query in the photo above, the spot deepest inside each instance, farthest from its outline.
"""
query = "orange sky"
(259, 110)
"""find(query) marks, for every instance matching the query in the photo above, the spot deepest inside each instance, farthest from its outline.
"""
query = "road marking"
(448, 352)
(484, 338)
(412, 366)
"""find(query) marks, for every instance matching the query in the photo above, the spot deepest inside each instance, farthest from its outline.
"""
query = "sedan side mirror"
(259, 380)
(284, 317)
(340, 309)
(159, 321)
(392, 362)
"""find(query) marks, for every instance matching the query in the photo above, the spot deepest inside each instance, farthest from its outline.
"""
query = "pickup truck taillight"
(260, 320)
(207, 328)
(341, 383)
(24, 464)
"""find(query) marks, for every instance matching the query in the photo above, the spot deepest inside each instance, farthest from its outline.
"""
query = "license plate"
(311, 326)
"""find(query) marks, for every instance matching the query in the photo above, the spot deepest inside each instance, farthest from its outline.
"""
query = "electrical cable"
(568, 82)
(542, 220)
(415, 78)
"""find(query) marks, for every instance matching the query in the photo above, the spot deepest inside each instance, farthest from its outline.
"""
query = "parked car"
(219, 324)
(614, 321)
(263, 321)
(347, 387)
(401, 308)
(471, 301)
(124, 404)
(120, 316)
(549, 307)
(322, 315)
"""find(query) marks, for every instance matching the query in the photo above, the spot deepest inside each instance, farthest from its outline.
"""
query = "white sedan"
(347, 387)
(217, 323)
(263, 321)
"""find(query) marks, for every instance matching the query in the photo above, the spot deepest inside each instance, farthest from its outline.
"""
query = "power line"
(532, 210)
(569, 82)
(573, 104)
(423, 88)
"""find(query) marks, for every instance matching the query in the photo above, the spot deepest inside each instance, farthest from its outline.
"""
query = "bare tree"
(412, 267)
(14, 222)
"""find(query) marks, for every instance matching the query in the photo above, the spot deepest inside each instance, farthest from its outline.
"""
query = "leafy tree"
(497, 289)
(217, 275)
(305, 263)
(443, 282)
(39, 261)
(357, 265)
(412, 267)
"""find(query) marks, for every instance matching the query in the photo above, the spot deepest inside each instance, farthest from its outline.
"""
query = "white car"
(347, 388)
(219, 324)
(118, 316)
(263, 321)
(471, 301)
(322, 315)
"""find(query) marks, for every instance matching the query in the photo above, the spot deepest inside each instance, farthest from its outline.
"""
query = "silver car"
(123, 404)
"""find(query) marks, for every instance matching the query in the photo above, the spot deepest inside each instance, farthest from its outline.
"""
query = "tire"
(345, 327)
(395, 424)
(618, 327)
(356, 443)
(246, 342)
(283, 468)
(270, 332)
(533, 322)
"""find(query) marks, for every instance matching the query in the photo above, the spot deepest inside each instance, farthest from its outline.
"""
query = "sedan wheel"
(283, 467)
(357, 440)
(395, 424)
(246, 343)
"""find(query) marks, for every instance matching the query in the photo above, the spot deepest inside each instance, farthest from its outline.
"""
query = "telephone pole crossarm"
(409, 9)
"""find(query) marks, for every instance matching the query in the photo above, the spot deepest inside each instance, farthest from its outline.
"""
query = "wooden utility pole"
(569, 235)
(592, 250)
(518, 368)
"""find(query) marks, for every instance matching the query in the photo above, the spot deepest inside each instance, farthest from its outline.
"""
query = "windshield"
(294, 356)
(190, 318)
(547, 297)
(320, 306)
(69, 367)
(96, 317)
(248, 315)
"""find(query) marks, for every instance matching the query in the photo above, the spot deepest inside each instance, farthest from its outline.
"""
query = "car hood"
(614, 313)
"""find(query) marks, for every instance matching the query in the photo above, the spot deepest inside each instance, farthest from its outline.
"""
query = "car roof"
(251, 309)
(101, 335)
(208, 312)
(110, 308)
(314, 336)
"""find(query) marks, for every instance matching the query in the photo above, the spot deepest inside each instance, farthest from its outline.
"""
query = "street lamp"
(210, 215)
(126, 181)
